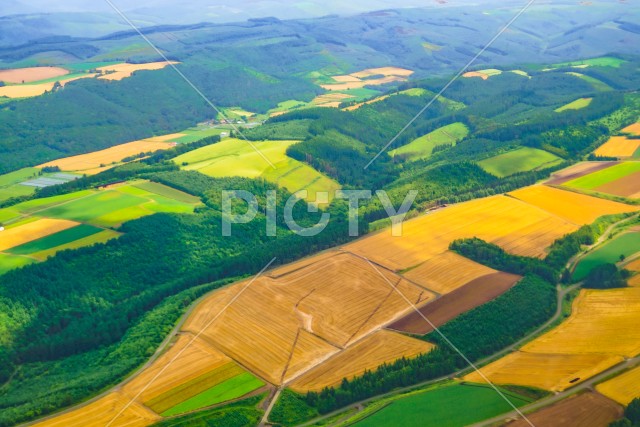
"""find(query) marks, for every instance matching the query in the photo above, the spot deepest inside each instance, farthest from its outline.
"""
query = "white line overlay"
(457, 350)
(462, 70)
(198, 91)
(195, 337)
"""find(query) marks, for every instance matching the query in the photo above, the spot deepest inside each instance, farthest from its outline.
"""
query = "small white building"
(224, 134)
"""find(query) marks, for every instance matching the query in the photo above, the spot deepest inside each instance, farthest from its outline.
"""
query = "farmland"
(586, 410)
(483, 74)
(575, 105)
(368, 77)
(611, 252)
(577, 171)
(619, 146)
(442, 407)
(520, 160)
(423, 147)
(32, 74)
(623, 388)
(122, 71)
(610, 175)
(235, 157)
(633, 129)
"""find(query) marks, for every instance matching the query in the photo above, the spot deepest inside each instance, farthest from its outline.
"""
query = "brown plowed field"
(578, 171)
(473, 294)
(627, 186)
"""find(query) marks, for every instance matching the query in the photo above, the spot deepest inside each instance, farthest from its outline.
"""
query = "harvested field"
(461, 300)
(623, 388)
(602, 321)
(101, 412)
(447, 272)
(363, 78)
(91, 163)
(553, 372)
(585, 410)
(518, 227)
(385, 71)
(121, 71)
(378, 348)
(31, 74)
(633, 129)
(37, 89)
(629, 186)
(339, 300)
(31, 231)
(618, 146)
(576, 208)
(578, 171)
(475, 74)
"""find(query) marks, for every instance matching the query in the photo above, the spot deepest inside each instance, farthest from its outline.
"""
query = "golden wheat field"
(37, 89)
(121, 71)
(518, 227)
(30, 231)
(101, 412)
(384, 71)
(623, 388)
(633, 129)
(338, 301)
(31, 74)
(378, 348)
(553, 372)
(577, 208)
(362, 78)
(469, 74)
(97, 161)
(618, 146)
(447, 272)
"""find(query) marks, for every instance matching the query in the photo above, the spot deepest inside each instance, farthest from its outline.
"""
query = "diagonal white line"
(195, 337)
(181, 74)
(462, 70)
(453, 346)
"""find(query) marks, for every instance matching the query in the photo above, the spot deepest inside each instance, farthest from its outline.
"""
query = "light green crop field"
(11, 262)
(10, 183)
(597, 84)
(195, 134)
(232, 388)
(578, 104)
(604, 176)
(521, 160)
(422, 147)
(235, 157)
(442, 407)
(605, 61)
(626, 244)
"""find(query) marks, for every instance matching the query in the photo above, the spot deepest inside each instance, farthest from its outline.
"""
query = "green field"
(605, 61)
(10, 262)
(234, 157)
(195, 134)
(10, 183)
(521, 160)
(101, 237)
(597, 84)
(449, 406)
(233, 388)
(604, 176)
(578, 104)
(422, 147)
(54, 240)
(626, 244)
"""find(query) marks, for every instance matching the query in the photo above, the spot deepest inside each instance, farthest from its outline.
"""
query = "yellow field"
(381, 347)
(102, 411)
(623, 388)
(121, 71)
(30, 231)
(31, 90)
(618, 146)
(447, 272)
(360, 79)
(31, 74)
(92, 163)
(632, 129)
(516, 226)
(385, 71)
(554, 372)
(338, 301)
(574, 207)
(475, 74)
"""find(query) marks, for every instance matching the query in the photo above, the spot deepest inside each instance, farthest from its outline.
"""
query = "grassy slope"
(422, 147)
(578, 104)
(626, 244)
(605, 61)
(441, 407)
(10, 262)
(520, 160)
(605, 176)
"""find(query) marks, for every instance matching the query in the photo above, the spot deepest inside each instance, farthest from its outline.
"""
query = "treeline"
(477, 334)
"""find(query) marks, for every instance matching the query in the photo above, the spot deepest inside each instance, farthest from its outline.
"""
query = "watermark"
(247, 202)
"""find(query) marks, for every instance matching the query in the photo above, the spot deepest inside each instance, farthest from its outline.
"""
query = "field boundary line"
(453, 346)
(455, 77)
(195, 337)
(189, 82)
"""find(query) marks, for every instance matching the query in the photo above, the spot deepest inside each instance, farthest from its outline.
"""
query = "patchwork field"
(31, 74)
(585, 410)
(97, 161)
(621, 179)
(577, 171)
(618, 146)
(521, 160)
(623, 388)
(422, 147)
(461, 300)
(376, 349)
(34, 230)
(611, 252)
(368, 77)
(235, 157)
(603, 328)
(578, 104)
